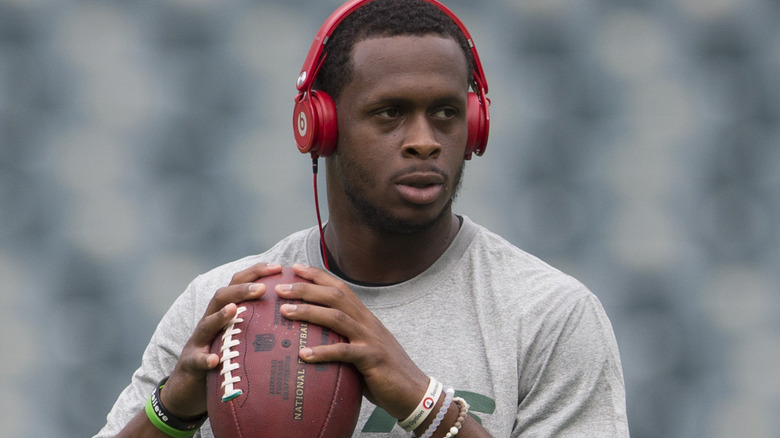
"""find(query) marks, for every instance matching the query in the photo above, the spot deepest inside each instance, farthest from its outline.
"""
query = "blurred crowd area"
(635, 144)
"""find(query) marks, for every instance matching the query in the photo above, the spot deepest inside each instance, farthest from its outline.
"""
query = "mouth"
(421, 188)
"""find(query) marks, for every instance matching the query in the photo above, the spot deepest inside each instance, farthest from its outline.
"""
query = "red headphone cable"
(314, 167)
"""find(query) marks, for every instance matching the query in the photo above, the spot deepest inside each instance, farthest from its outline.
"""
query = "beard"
(381, 219)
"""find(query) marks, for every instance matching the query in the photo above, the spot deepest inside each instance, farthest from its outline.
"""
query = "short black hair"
(383, 18)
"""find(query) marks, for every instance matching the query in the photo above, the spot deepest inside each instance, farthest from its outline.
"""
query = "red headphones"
(314, 117)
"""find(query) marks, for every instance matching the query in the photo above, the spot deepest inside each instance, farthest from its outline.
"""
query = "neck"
(367, 256)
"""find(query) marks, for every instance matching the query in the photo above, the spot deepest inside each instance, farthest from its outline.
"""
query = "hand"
(393, 380)
(185, 392)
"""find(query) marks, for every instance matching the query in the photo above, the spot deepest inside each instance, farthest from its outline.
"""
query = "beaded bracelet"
(464, 409)
(448, 393)
(163, 420)
(423, 409)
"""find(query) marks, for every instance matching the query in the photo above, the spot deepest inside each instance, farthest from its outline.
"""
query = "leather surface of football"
(262, 389)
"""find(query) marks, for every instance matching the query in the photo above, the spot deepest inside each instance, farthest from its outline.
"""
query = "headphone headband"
(314, 58)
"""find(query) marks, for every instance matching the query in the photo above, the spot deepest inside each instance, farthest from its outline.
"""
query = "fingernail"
(255, 287)
(283, 287)
(305, 353)
(287, 308)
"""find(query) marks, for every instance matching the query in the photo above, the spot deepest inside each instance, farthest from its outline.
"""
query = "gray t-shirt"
(530, 348)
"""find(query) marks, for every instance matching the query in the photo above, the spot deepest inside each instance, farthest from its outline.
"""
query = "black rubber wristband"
(171, 420)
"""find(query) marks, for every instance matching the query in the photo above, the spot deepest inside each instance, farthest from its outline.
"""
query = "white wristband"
(420, 413)
(448, 393)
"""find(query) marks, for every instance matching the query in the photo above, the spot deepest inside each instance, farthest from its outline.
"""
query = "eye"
(389, 113)
(445, 113)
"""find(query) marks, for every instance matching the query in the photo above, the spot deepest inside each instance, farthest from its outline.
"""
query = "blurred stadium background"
(635, 144)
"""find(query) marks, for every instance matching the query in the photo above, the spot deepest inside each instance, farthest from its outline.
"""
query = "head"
(402, 132)
(399, 172)
(383, 18)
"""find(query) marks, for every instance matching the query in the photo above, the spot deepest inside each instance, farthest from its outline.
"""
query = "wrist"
(451, 415)
(166, 421)
(172, 396)
(425, 406)
(440, 411)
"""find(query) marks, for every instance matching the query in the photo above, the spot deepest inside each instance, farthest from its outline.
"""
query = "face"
(402, 134)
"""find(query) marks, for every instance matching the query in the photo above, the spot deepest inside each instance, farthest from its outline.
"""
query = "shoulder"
(516, 275)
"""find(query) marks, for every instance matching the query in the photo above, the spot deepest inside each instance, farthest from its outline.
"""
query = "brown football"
(262, 389)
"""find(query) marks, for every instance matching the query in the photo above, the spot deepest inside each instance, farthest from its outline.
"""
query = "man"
(419, 291)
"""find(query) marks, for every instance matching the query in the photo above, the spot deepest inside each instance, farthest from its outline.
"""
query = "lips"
(421, 188)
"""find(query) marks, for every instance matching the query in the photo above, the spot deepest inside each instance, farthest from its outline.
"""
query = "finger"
(242, 286)
(324, 290)
(255, 272)
(334, 319)
(339, 352)
(236, 293)
(313, 293)
(318, 276)
(197, 361)
(196, 357)
(210, 325)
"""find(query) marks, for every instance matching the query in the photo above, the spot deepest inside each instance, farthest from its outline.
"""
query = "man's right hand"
(184, 394)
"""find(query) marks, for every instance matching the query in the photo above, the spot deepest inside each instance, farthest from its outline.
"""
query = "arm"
(184, 394)
(393, 381)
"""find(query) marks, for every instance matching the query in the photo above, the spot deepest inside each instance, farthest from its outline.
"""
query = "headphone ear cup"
(478, 126)
(314, 123)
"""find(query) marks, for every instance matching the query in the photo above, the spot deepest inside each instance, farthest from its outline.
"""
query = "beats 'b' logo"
(303, 124)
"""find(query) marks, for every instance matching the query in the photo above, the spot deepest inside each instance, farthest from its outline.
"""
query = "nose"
(420, 141)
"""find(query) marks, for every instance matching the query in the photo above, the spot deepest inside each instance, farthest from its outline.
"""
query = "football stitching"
(332, 400)
(337, 390)
(228, 354)
(236, 423)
